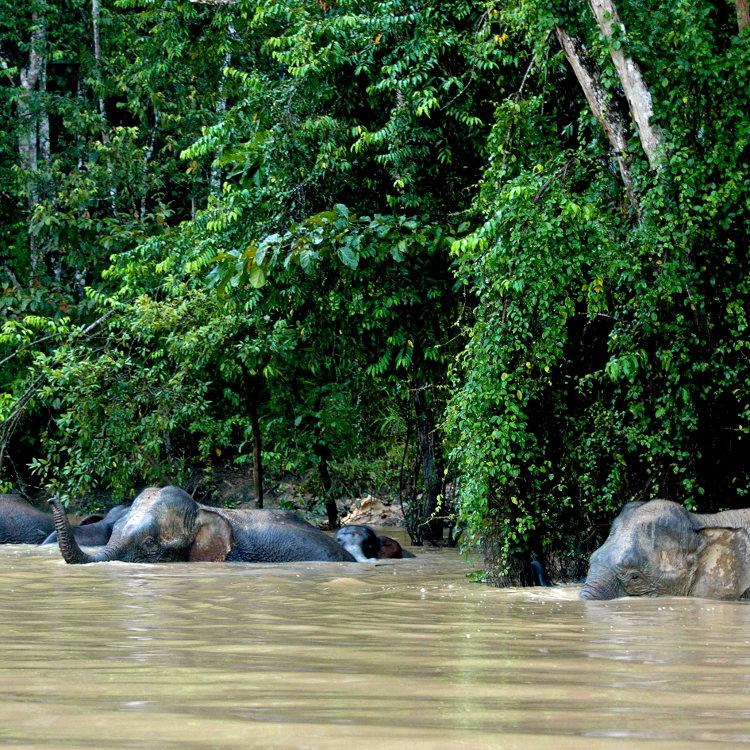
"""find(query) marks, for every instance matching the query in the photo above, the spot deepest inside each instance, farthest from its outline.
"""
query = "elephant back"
(21, 522)
(279, 536)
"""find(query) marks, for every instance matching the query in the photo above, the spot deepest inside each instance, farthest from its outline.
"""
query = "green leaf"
(348, 257)
(256, 277)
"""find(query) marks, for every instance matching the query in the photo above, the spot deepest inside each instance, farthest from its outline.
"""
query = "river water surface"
(398, 654)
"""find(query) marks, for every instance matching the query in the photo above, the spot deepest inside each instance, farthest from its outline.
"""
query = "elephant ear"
(93, 518)
(213, 538)
(722, 564)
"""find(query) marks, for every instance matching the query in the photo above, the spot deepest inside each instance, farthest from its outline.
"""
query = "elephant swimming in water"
(364, 544)
(22, 523)
(167, 525)
(659, 548)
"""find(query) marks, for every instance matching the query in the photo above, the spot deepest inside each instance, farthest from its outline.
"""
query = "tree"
(604, 359)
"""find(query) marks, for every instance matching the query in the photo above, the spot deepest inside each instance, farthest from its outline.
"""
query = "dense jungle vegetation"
(489, 256)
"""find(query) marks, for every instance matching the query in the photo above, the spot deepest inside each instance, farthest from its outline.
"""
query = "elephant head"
(659, 548)
(162, 525)
(363, 544)
(360, 542)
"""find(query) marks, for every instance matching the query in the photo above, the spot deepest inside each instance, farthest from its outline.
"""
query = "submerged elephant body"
(659, 548)
(364, 544)
(166, 524)
(21, 522)
(279, 536)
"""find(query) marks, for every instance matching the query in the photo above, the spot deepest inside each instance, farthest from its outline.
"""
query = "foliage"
(608, 361)
(395, 234)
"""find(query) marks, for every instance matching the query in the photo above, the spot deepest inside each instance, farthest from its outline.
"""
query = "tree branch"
(633, 85)
(596, 97)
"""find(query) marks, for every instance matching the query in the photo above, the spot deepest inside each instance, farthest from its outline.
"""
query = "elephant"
(167, 525)
(363, 544)
(391, 549)
(21, 522)
(659, 548)
(94, 530)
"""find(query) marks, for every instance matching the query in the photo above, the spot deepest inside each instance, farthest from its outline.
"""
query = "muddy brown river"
(398, 654)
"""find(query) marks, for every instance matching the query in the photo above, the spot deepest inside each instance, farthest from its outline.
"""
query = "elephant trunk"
(600, 585)
(71, 552)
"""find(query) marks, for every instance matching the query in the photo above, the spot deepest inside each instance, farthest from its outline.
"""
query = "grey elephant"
(365, 545)
(658, 548)
(167, 525)
(22, 523)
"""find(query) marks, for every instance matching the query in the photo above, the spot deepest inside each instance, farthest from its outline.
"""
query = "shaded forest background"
(488, 258)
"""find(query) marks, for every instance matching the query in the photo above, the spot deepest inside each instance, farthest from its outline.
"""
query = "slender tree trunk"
(332, 512)
(253, 396)
(28, 143)
(608, 117)
(79, 141)
(633, 86)
(431, 468)
(95, 28)
(220, 109)
(257, 456)
(743, 14)
(45, 190)
(95, 16)
(44, 133)
(29, 77)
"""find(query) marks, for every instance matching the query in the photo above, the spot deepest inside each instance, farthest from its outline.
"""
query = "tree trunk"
(596, 97)
(95, 15)
(220, 109)
(44, 137)
(633, 85)
(743, 14)
(332, 512)
(45, 187)
(253, 396)
(257, 456)
(28, 142)
(432, 526)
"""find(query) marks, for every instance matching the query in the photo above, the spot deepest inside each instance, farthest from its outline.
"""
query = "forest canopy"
(488, 258)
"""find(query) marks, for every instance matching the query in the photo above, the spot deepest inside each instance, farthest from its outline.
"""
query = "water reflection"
(319, 655)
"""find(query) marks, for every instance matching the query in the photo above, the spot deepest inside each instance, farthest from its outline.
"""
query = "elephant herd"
(167, 525)
(654, 548)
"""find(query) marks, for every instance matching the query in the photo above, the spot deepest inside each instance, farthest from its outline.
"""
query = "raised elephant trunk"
(71, 552)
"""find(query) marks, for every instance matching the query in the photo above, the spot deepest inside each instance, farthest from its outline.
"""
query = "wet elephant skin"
(167, 525)
(659, 548)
